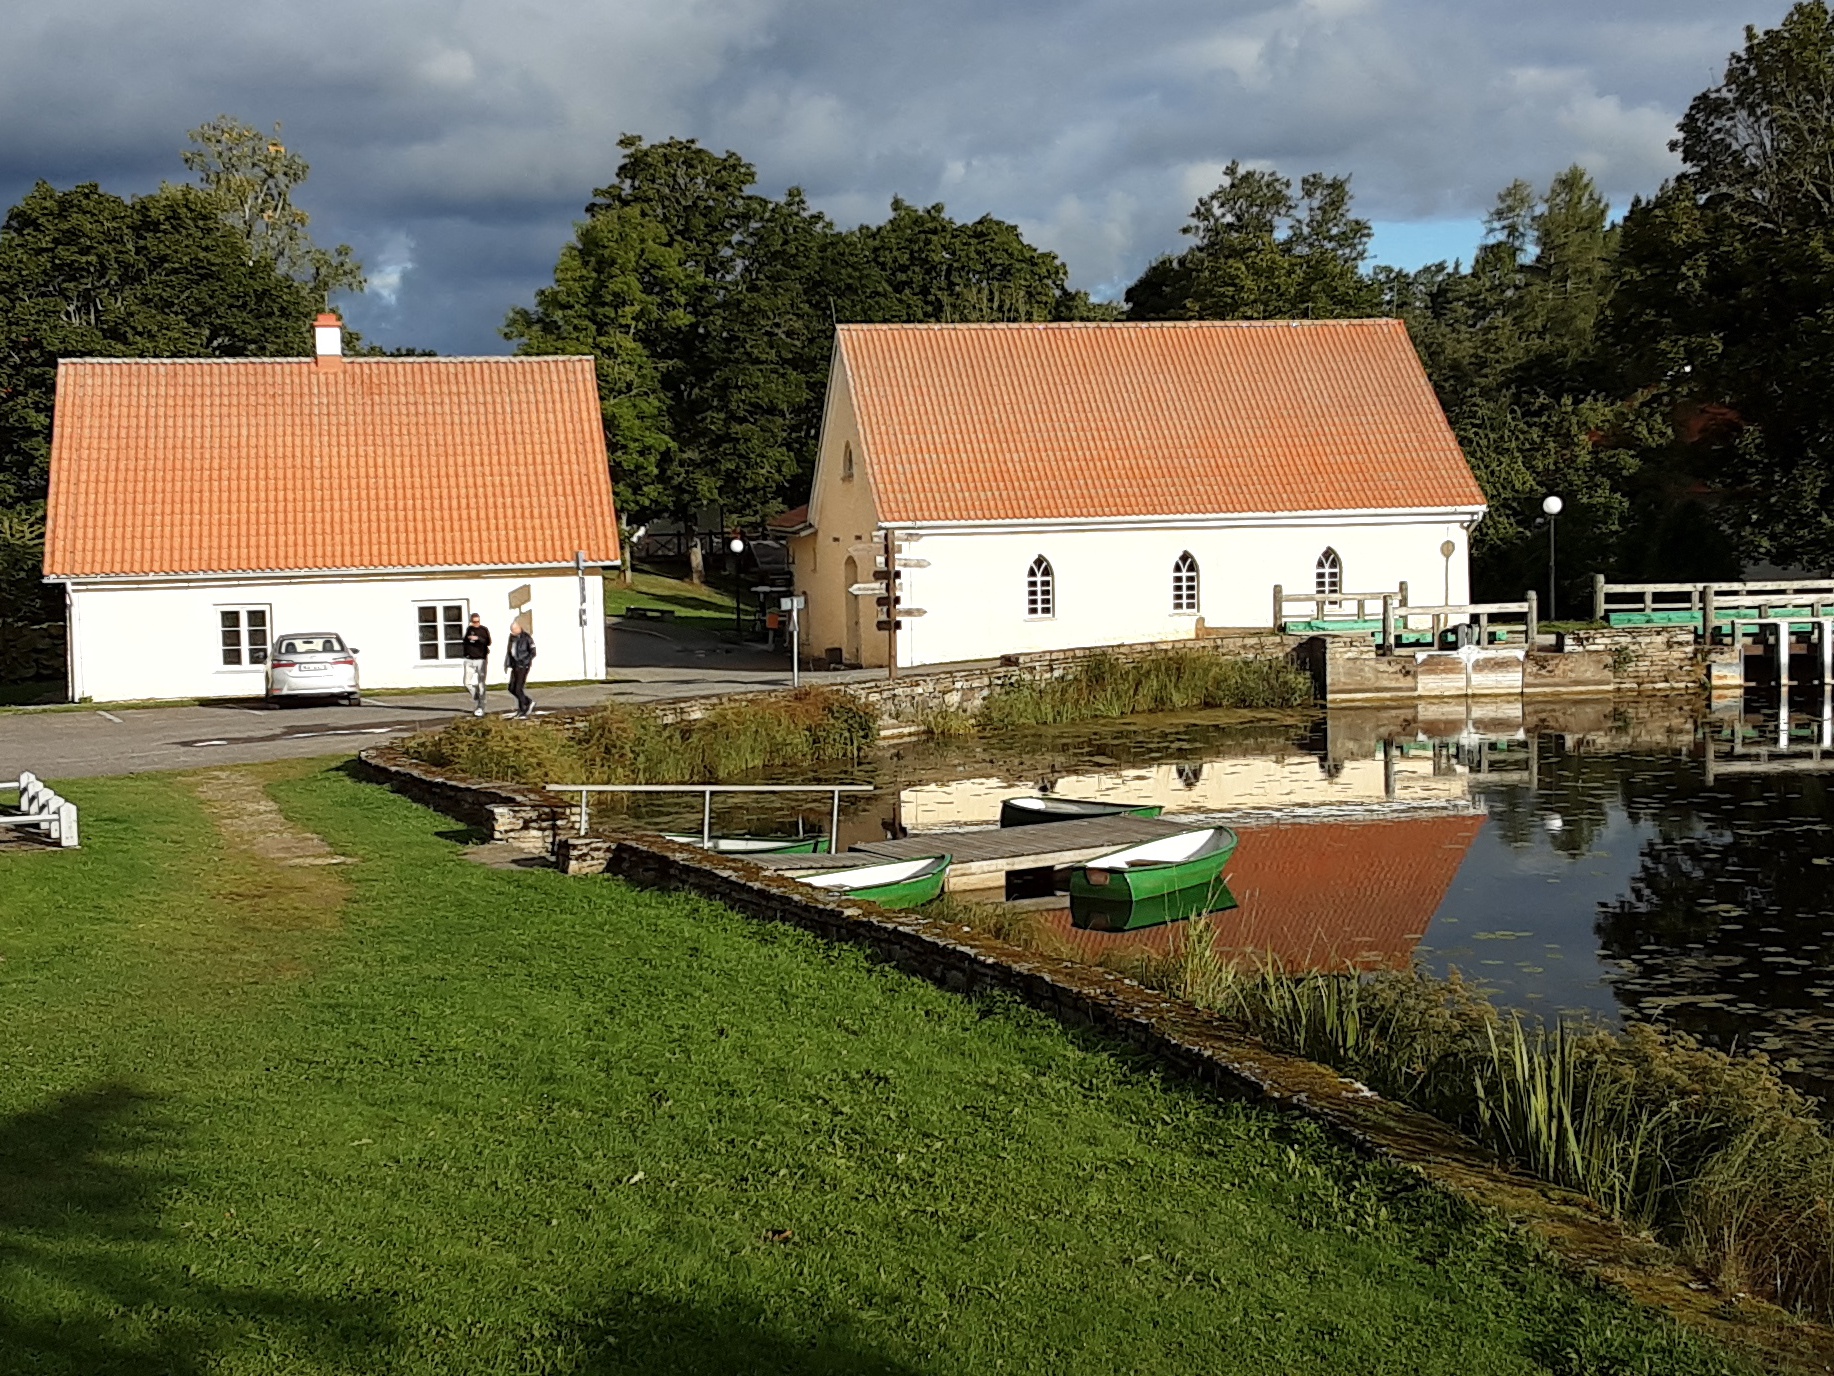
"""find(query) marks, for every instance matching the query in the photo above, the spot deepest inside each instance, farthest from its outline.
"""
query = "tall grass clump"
(1177, 680)
(1711, 1152)
(617, 743)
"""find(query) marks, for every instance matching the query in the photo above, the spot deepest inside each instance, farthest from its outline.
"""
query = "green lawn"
(706, 607)
(412, 1115)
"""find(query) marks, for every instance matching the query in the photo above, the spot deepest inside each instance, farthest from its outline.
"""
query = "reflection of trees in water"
(1569, 806)
(1716, 867)
(1726, 896)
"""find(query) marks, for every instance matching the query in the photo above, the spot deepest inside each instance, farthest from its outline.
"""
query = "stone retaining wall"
(920, 693)
(524, 816)
(1354, 672)
(1644, 658)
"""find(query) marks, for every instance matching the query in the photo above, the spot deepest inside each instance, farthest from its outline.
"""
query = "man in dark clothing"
(520, 656)
(477, 661)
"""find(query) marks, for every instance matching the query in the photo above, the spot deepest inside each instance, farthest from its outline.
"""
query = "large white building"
(1069, 485)
(201, 507)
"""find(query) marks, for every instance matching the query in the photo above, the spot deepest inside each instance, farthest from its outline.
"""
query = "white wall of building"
(163, 639)
(1114, 581)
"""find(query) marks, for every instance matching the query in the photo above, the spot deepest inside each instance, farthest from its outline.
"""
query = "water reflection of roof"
(1319, 895)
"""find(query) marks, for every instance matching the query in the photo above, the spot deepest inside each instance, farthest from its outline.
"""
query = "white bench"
(41, 809)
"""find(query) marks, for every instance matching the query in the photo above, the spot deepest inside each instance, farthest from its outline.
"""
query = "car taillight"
(284, 664)
(345, 660)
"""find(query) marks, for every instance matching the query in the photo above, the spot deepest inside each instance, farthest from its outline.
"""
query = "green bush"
(617, 743)
(1180, 680)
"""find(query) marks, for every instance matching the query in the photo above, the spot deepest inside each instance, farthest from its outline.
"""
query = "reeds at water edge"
(1711, 1152)
(617, 743)
(1175, 680)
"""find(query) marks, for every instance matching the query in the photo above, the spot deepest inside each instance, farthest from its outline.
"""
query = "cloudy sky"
(454, 142)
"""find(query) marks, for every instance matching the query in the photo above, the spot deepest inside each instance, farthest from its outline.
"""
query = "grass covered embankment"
(700, 605)
(617, 743)
(1172, 681)
(1713, 1153)
(411, 1115)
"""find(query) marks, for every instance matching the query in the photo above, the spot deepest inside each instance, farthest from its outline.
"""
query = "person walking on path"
(477, 661)
(520, 656)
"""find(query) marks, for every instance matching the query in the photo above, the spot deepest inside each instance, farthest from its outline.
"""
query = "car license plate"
(311, 669)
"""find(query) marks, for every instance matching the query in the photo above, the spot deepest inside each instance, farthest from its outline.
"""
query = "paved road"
(69, 744)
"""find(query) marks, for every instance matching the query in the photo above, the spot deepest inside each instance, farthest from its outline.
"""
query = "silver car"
(312, 664)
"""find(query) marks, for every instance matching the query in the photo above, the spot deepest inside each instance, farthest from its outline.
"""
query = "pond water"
(1649, 860)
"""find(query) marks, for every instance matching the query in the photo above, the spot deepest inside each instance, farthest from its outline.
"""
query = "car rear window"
(310, 645)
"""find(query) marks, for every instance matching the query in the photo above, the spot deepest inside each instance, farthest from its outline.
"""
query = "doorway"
(851, 654)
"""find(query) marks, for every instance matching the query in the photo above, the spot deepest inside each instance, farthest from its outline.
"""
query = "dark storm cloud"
(453, 143)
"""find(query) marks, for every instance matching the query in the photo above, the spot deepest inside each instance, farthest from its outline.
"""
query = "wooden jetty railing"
(1396, 619)
(707, 791)
(1707, 604)
(1330, 606)
(1395, 616)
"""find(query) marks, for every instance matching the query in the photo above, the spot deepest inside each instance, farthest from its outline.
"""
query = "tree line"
(1666, 372)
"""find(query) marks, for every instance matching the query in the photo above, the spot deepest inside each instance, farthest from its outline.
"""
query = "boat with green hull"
(1168, 880)
(890, 884)
(814, 844)
(1045, 807)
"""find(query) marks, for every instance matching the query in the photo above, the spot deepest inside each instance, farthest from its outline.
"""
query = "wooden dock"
(986, 855)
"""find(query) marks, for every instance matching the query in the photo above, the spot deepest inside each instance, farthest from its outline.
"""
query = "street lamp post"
(737, 546)
(1551, 505)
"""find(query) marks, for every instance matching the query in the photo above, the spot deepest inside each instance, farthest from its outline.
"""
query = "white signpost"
(794, 606)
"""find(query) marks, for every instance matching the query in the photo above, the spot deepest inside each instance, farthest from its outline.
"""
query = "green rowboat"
(1025, 812)
(754, 845)
(890, 884)
(1168, 880)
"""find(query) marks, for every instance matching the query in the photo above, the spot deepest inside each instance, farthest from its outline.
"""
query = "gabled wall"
(844, 513)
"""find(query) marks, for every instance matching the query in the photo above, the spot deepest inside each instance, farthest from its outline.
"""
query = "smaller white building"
(1066, 485)
(201, 507)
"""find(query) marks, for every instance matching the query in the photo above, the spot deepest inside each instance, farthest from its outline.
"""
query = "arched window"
(1040, 588)
(1184, 583)
(1328, 575)
(846, 463)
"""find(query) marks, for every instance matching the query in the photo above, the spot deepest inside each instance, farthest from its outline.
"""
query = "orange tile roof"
(1319, 895)
(1018, 422)
(168, 466)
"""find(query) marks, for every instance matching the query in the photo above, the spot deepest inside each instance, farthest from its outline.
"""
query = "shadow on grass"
(92, 1282)
(648, 1334)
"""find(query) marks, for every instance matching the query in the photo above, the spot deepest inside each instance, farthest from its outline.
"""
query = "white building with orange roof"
(201, 507)
(1067, 485)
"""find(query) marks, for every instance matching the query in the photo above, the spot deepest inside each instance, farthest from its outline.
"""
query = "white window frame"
(1328, 574)
(252, 656)
(452, 646)
(1187, 585)
(1040, 590)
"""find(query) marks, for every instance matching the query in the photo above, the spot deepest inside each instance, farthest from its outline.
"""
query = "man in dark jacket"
(520, 656)
(477, 661)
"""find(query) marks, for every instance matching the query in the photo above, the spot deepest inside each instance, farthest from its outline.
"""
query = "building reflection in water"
(1316, 895)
